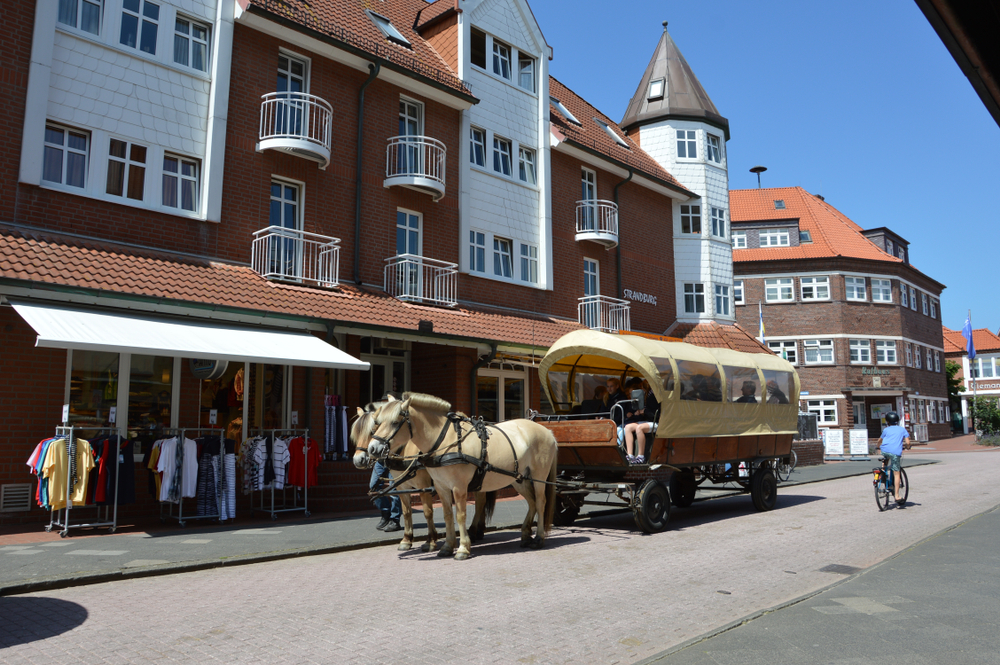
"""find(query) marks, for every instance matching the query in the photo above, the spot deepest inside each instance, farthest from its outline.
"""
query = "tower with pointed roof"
(674, 120)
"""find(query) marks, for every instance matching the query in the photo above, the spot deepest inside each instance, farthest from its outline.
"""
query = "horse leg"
(539, 540)
(478, 528)
(427, 499)
(407, 541)
(527, 490)
(449, 523)
(464, 543)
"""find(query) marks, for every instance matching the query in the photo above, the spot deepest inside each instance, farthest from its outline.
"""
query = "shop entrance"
(501, 393)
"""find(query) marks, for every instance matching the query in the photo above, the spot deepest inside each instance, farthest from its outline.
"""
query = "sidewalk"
(33, 560)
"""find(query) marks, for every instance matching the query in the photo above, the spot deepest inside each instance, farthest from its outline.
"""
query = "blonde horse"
(361, 431)
(518, 453)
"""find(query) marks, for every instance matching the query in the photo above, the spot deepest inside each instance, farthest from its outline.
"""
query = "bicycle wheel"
(782, 469)
(904, 487)
(793, 460)
(882, 492)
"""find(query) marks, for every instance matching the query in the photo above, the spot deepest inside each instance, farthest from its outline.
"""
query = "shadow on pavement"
(506, 542)
(29, 619)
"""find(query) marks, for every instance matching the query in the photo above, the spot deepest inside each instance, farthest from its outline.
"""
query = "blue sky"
(857, 101)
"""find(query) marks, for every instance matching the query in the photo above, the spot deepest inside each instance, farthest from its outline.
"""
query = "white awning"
(90, 330)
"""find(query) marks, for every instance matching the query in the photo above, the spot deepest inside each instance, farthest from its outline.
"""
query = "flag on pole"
(760, 312)
(966, 333)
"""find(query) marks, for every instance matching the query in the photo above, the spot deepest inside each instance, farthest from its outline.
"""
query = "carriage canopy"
(702, 392)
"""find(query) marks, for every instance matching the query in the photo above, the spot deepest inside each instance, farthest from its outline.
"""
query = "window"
(140, 21)
(386, 27)
(690, 219)
(694, 298)
(739, 239)
(825, 410)
(612, 134)
(774, 238)
(501, 59)
(779, 289)
(82, 14)
(478, 57)
(588, 213)
(855, 288)
(930, 360)
(881, 290)
(565, 111)
(477, 251)
(502, 258)
(909, 355)
(126, 169)
(529, 263)
(526, 166)
(501, 155)
(284, 205)
(903, 297)
(687, 145)
(818, 351)
(714, 149)
(805, 237)
(722, 299)
(591, 278)
(937, 361)
(408, 240)
(889, 247)
(913, 299)
(526, 72)
(917, 362)
(191, 44)
(779, 204)
(180, 183)
(923, 303)
(65, 157)
(885, 352)
(983, 368)
(738, 292)
(477, 147)
(815, 288)
(934, 304)
(719, 222)
(861, 351)
(901, 254)
(786, 350)
(656, 89)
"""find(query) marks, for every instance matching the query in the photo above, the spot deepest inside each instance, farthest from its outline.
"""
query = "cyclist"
(894, 438)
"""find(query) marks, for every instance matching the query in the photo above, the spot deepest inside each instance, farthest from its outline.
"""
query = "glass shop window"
(93, 388)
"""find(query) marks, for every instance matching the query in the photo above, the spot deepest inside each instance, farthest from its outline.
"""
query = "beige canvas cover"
(699, 389)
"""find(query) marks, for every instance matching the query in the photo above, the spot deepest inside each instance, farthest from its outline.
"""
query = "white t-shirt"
(168, 465)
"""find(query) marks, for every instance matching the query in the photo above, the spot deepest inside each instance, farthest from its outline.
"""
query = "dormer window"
(564, 111)
(714, 149)
(656, 89)
(610, 132)
(779, 204)
(889, 249)
(387, 29)
(805, 237)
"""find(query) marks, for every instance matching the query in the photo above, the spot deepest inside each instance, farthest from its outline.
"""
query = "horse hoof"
(445, 551)
(537, 543)
(404, 547)
(462, 556)
(525, 542)
(426, 547)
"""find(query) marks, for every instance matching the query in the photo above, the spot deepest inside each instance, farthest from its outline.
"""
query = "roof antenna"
(758, 170)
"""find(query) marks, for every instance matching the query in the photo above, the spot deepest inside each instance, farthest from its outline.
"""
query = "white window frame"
(477, 147)
(930, 359)
(179, 180)
(687, 142)
(718, 222)
(78, 7)
(823, 408)
(779, 287)
(786, 349)
(502, 56)
(819, 347)
(526, 166)
(691, 216)
(65, 151)
(774, 237)
(918, 362)
(904, 299)
(722, 300)
(499, 256)
(861, 351)
(881, 290)
(522, 59)
(191, 42)
(909, 355)
(738, 292)
(591, 274)
(388, 30)
(713, 148)
(142, 19)
(408, 229)
(529, 263)
(693, 291)
(852, 285)
(913, 299)
(739, 239)
(128, 162)
(816, 285)
(924, 304)
(656, 88)
(499, 143)
(477, 251)
(299, 200)
(937, 361)
(885, 352)
(934, 308)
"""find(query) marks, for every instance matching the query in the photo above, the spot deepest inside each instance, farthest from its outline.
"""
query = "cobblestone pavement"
(597, 594)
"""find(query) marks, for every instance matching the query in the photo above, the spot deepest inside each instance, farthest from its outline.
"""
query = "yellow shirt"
(154, 457)
(56, 468)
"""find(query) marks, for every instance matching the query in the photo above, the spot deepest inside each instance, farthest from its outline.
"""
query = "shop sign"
(637, 296)
(205, 370)
(987, 386)
(874, 371)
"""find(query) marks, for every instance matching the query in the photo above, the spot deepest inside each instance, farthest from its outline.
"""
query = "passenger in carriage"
(638, 424)
(598, 405)
(749, 393)
(615, 395)
(775, 394)
(704, 389)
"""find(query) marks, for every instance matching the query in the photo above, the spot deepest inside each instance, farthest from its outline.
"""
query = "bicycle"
(783, 469)
(883, 483)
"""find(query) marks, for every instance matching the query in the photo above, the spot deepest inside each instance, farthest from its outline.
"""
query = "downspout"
(374, 69)
(618, 247)
(472, 377)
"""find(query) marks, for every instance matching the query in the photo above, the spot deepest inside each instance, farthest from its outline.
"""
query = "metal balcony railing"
(298, 123)
(415, 278)
(416, 161)
(604, 313)
(597, 220)
(290, 255)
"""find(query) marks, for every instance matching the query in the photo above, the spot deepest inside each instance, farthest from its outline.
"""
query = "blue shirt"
(892, 439)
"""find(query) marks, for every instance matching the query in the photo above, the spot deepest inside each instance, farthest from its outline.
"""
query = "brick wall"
(809, 453)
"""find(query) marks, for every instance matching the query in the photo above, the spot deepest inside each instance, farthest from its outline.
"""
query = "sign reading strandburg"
(636, 296)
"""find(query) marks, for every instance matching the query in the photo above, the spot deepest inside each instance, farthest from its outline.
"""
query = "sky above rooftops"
(858, 101)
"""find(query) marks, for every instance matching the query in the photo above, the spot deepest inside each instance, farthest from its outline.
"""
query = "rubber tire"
(882, 494)
(651, 507)
(682, 488)
(566, 511)
(764, 489)
(904, 485)
(782, 470)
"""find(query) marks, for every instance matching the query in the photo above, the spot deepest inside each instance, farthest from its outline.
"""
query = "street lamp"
(758, 170)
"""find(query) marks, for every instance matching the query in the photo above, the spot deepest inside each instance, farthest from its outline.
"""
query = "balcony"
(597, 220)
(290, 255)
(416, 162)
(604, 313)
(298, 124)
(413, 278)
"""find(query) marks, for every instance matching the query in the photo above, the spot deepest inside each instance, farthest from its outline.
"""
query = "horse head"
(395, 422)
(361, 433)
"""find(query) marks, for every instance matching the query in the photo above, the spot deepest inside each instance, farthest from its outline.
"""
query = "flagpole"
(975, 393)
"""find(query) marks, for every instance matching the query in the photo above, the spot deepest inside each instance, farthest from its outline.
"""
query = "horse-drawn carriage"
(724, 416)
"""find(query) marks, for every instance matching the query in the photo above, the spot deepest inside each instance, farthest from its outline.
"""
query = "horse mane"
(363, 422)
(428, 402)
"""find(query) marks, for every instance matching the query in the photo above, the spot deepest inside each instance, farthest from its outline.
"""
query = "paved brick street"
(602, 593)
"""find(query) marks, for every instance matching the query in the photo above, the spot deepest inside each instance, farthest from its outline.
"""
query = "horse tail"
(550, 494)
(489, 505)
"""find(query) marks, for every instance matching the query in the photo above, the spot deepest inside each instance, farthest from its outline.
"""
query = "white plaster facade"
(94, 84)
(491, 203)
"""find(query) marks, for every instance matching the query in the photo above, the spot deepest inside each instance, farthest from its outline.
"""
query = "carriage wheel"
(651, 506)
(567, 511)
(682, 488)
(763, 489)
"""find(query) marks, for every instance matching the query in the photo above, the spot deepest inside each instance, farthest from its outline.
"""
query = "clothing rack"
(181, 435)
(69, 434)
(284, 507)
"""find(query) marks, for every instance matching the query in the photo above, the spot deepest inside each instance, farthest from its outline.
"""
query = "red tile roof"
(983, 340)
(431, 11)
(592, 136)
(346, 21)
(47, 258)
(712, 335)
(833, 233)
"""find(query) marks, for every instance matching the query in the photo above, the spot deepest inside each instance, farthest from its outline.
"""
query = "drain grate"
(840, 569)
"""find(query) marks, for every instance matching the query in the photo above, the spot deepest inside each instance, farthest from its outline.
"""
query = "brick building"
(981, 376)
(219, 213)
(844, 305)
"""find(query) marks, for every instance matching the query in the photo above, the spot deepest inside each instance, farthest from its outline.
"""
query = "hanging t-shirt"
(57, 467)
(279, 457)
(303, 457)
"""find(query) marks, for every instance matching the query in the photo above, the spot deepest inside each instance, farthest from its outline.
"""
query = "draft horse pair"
(457, 452)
